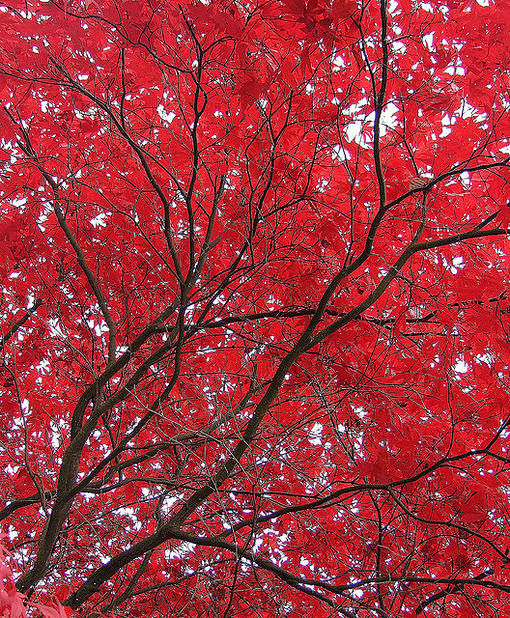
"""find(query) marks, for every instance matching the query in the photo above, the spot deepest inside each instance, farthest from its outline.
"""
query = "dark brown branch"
(14, 329)
(450, 590)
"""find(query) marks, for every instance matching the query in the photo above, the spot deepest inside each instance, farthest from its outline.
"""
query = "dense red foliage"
(255, 328)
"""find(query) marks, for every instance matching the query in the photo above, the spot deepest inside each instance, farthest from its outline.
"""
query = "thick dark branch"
(15, 327)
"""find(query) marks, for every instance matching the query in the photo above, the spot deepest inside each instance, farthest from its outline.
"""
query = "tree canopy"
(254, 311)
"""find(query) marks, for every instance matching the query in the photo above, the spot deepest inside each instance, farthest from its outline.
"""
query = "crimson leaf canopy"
(255, 334)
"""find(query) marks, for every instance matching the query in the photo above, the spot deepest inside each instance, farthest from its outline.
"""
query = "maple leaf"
(503, 217)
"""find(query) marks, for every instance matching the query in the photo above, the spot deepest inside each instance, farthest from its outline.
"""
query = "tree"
(254, 310)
